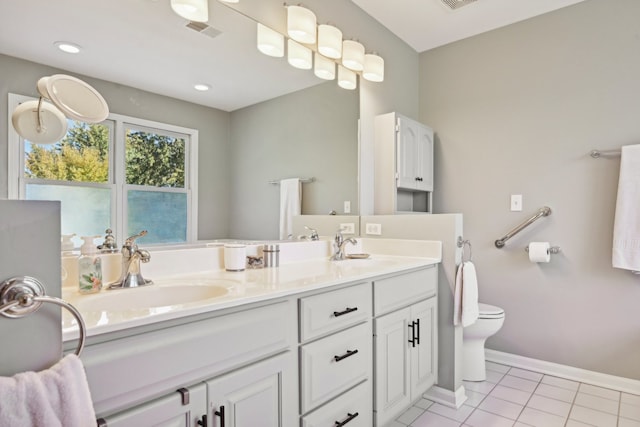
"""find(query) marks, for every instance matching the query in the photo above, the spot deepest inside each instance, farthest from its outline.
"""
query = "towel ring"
(23, 295)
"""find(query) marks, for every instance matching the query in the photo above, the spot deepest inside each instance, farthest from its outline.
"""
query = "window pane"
(162, 214)
(81, 156)
(154, 159)
(85, 211)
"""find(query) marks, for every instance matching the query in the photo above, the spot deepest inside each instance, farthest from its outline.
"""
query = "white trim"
(626, 385)
(452, 399)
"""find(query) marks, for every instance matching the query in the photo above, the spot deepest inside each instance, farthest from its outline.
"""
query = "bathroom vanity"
(310, 343)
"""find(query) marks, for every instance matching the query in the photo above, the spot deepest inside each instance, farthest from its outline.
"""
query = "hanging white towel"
(626, 228)
(465, 305)
(56, 397)
(290, 205)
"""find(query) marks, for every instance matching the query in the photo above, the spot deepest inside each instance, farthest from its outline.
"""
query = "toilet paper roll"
(539, 252)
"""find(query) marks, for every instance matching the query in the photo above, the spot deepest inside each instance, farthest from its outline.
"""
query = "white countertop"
(110, 310)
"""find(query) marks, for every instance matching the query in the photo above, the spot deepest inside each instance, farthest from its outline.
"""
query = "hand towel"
(626, 228)
(465, 305)
(290, 203)
(56, 397)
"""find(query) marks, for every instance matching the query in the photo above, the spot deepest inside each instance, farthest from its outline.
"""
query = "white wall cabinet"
(403, 171)
(405, 345)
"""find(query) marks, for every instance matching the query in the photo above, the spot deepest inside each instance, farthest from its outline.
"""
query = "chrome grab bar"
(23, 295)
(544, 211)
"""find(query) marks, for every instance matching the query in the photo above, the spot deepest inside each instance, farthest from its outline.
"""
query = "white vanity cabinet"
(405, 341)
(403, 166)
(336, 357)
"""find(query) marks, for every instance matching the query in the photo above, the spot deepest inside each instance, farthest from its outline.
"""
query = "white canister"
(235, 257)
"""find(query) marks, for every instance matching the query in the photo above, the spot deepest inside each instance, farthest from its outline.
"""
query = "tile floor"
(513, 397)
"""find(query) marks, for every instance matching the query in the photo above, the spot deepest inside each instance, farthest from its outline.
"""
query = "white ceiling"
(143, 44)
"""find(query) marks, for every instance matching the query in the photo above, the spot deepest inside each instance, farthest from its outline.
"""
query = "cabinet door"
(392, 388)
(263, 394)
(407, 138)
(169, 411)
(423, 355)
(423, 158)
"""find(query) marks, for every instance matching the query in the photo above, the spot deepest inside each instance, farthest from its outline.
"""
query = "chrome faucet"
(312, 236)
(339, 244)
(131, 276)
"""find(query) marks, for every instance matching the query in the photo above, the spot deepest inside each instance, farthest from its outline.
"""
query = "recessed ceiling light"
(67, 47)
(202, 87)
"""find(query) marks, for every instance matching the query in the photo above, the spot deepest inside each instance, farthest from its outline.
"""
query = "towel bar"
(23, 295)
(302, 180)
(544, 211)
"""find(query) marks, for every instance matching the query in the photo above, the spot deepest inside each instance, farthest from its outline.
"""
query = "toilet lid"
(490, 311)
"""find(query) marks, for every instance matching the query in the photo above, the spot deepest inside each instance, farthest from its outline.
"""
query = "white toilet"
(474, 336)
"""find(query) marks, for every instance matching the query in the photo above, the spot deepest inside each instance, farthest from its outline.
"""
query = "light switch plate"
(516, 202)
(373, 229)
(347, 206)
(348, 228)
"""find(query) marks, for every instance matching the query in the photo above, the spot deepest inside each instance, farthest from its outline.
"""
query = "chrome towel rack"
(302, 180)
(23, 295)
(596, 154)
(543, 211)
(463, 244)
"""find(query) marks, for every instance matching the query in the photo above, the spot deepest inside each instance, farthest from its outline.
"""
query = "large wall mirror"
(261, 120)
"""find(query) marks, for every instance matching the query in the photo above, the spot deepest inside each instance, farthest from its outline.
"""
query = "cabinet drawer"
(332, 311)
(404, 289)
(352, 408)
(334, 364)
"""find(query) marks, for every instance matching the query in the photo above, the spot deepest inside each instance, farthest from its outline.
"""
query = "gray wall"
(310, 133)
(517, 111)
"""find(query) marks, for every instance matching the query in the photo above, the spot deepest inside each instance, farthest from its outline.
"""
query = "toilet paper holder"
(552, 249)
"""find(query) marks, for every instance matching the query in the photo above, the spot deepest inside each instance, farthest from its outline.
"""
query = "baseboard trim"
(626, 385)
(453, 399)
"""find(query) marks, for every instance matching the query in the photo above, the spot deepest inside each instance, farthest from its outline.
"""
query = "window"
(126, 174)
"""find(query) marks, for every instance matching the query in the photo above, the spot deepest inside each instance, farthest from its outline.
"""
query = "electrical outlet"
(347, 206)
(516, 202)
(348, 228)
(373, 229)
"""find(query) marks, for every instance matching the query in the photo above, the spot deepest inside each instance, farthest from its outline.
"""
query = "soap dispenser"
(89, 267)
(66, 245)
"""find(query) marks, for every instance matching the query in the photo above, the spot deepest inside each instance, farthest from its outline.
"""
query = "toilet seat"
(490, 312)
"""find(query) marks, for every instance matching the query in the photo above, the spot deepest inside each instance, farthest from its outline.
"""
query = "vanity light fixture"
(353, 55)
(270, 42)
(347, 79)
(373, 68)
(301, 24)
(330, 41)
(298, 56)
(201, 87)
(324, 68)
(67, 47)
(193, 10)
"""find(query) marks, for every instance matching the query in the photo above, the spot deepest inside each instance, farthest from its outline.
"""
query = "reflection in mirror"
(262, 120)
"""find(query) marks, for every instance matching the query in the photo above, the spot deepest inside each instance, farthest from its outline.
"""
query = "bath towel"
(465, 305)
(56, 397)
(290, 205)
(626, 228)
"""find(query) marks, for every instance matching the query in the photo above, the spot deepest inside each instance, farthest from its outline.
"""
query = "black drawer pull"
(347, 311)
(418, 331)
(344, 356)
(412, 341)
(346, 420)
(220, 413)
(203, 422)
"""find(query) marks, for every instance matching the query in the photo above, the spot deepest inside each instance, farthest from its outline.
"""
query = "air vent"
(457, 4)
(203, 28)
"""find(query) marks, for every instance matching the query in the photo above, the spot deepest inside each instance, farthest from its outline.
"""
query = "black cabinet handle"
(347, 311)
(346, 420)
(220, 413)
(344, 356)
(417, 331)
(203, 422)
(412, 340)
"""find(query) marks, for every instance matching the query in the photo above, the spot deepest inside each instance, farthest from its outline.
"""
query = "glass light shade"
(373, 68)
(193, 10)
(270, 42)
(329, 41)
(353, 55)
(347, 79)
(298, 55)
(301, 24)
(323, 67)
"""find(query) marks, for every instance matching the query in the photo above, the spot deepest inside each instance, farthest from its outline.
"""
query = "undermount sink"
(153, 296)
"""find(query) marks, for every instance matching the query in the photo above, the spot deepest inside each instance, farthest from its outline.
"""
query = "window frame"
(118, 124)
